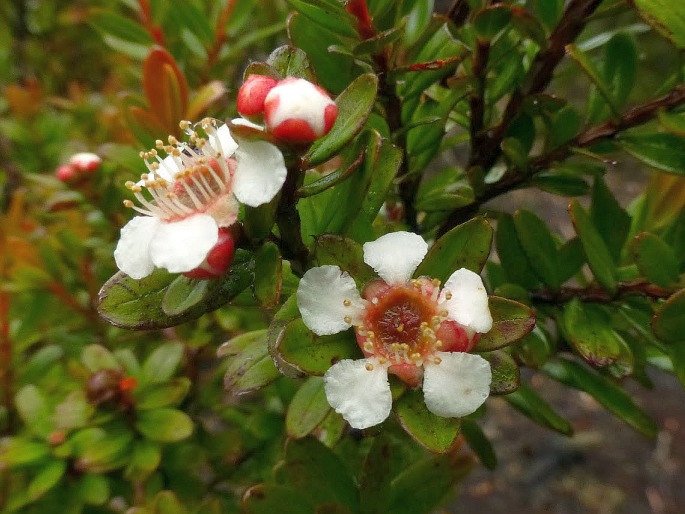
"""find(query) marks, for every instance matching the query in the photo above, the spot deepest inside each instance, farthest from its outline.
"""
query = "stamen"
(368, 346)
(400, 328)
(369, 367)
(448, 295)
(437, 360)
(347, 302)
(348, 320)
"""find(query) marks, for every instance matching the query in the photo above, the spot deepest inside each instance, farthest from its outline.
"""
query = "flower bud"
(85, 161)
(65, 172)
(298, 111)
(252, 94)
(218, 259)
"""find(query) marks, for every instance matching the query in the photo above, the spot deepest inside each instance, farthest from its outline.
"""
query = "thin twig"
(598, 295)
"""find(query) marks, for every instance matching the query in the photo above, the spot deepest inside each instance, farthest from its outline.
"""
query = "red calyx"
(218, 259)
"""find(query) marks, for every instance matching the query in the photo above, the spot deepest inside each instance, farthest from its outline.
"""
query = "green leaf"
(529, 403)
(250, 366)
(163, 395)
(47, 478)
(511, 254)
(316, 470)
(539, 247)
(331, 16)
(549, 11)
(665, 152)
(613, 397)
(465, 246)
(96, 357)
(271, 498)
(511, 322)
(289, 61)
(137, 304)
(421, 487)
(506, 376)
(103, 451)
(122, 34)
(374, 482)
(560, 184)
(571, 258)
(595, 76)
(609, 218)
(620, 66)
(307, 409)
(566, 123)
(164, 425)
(334, 70)
(161, 365)
(183, 294)
(588, 329)
(665, 16)
(166, 502)
(312, 354)
(596, 251)
(385, 162)
(268, 275)
(145, 458)
(655, 259)
(677, 351)
(436, 433)
(33, 410)
(668, 323)
(16, 451)
(354, 106)
(479, 443)
(38, 364)
(345, 253)
(491, 21)
(93, 489)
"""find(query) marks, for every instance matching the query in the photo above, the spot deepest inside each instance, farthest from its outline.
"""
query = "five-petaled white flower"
(193, 193)
(409, 327)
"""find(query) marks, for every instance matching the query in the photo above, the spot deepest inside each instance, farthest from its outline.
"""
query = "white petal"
(458, 385)
(395, 256)
(246, 123)
(182, 245)
(468, 304)
(132, 254)
(361, 395)
(260, 172)
(321, 299)
(223, 141)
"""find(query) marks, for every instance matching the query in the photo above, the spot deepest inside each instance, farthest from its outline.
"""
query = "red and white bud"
(298, 111)
(85, 161)
(218, 259)
(252, 94)
(65, 173)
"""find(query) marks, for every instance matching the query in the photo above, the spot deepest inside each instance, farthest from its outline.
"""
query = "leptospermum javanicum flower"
(193, 195)
(294, 109)
(412, 328)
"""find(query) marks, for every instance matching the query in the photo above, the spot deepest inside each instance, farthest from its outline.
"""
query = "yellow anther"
(128, 203)
(184, 124)
(438, 344)
(129, 184)
(437, 360)
(159, 144)
(382, 360)
(136, 188)
(369, 367)
(448, 295)
(172, 140)
(400, 328)
(347, 302)
(444, 313)
(368, 346)
(436, 282)
(424, 324)
(347, 320)
(415, 357)
(153, 152)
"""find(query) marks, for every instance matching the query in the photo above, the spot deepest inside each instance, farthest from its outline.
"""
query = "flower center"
(401, 323)
(189, 180)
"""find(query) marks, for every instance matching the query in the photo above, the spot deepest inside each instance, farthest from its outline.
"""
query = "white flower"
(85, 161)
(409, 327)
(191, 194)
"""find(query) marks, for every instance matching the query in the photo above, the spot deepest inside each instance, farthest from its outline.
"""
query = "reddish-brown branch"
(6, 357)
(538, 78)
(477, 101)
(220, 33)
(598, 295)
(458, 12)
